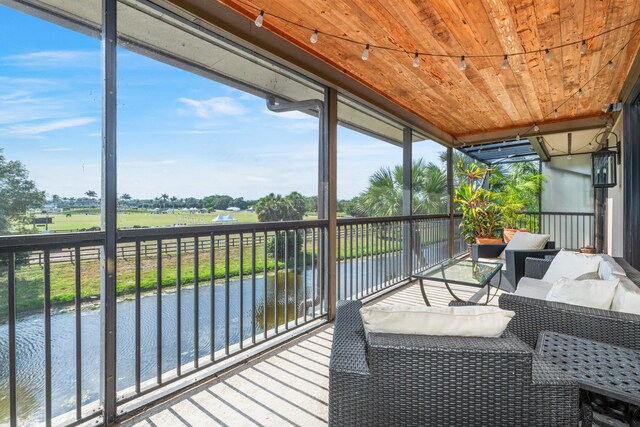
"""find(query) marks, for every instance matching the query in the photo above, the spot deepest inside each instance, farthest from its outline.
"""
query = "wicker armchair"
(416, 380)
(534, 315)
(514, 259)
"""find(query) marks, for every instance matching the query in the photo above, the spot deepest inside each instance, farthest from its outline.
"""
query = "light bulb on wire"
(580, 93)
(505, 63)
(314, 37)
(259, 19)
(518, 137)
(463, 64)
(555, 113)
(548, 56)
(611, 65)
(416, 60)
(365, 52)
(536, 128)
(583, 48)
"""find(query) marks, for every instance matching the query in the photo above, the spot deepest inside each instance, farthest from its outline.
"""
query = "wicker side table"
(603, 369)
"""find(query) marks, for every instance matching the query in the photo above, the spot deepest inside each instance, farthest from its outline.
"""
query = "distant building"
(233, 209)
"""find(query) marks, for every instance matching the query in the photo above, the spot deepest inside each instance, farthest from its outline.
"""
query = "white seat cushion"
(533, 288)
(472, 321)
(526, 240)
(571, 265)
(586, 293)
(627, 296)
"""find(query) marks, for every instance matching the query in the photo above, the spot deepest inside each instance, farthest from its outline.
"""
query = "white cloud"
(55, 149)
(48, 58)
(37, 129)
(218, 106)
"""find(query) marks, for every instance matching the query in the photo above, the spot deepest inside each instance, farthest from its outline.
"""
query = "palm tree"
(383, 197)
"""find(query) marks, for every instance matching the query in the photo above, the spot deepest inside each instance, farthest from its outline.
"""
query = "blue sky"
(178, 133)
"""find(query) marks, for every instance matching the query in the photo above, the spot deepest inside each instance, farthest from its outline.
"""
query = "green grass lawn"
(78, 220)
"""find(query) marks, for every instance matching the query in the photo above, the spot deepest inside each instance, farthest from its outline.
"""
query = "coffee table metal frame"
(442, 267)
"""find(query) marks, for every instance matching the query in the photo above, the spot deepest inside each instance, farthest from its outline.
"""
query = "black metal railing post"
(407, 193)
(109, 215)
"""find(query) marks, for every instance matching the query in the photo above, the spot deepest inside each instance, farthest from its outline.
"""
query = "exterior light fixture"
(314, 37)
(603, 168)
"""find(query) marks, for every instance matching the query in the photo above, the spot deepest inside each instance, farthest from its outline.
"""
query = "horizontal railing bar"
(30, 242)
(559, 213)
(128, 235)
(430, 216)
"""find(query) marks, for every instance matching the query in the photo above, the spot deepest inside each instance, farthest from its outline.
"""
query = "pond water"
(30, 338)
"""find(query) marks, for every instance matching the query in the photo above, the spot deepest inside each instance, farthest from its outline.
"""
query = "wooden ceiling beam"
(582, 123)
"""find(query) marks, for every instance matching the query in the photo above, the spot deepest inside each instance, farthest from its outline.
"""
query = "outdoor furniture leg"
(424, 294)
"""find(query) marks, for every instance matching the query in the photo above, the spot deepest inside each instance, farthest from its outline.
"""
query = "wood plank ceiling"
(484, 98)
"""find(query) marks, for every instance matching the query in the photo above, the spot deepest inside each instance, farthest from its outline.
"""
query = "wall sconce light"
(603, 166)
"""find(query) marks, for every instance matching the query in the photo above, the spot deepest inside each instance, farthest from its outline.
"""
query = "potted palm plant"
(481, 216)
(517, 189)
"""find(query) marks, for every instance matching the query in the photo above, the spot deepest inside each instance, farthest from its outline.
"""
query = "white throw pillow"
(627, 297)
(609, 266)
(526, 240)
(571, 265)
(586, 293)
(470, 321)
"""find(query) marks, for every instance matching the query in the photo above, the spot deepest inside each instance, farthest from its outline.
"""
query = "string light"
(536, 128)
(555, 113)
(505, 63)
(548, 56)
(580, 93)
(463, 64)
(518, 137)
(365, 52)
(611, 65)
(259, 19)
(416, 60)
(547, 51)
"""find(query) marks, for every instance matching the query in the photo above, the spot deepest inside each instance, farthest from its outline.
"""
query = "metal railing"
(569, 230)
(370, 255)
(177, 314)
(218, 292)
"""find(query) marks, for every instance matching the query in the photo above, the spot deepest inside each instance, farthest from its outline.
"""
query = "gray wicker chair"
(417, 380)
(534, 315)
(514, 259)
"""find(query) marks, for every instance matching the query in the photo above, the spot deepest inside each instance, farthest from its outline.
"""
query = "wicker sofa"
(389, 379)
(534, 315)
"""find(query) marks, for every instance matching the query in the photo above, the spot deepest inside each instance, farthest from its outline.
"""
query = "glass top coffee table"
(460, 272)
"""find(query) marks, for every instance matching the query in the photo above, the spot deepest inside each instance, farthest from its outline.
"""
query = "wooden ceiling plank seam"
(603, 84)
(466, 36)
(549, 30)
(571, 28)
(510, 43)
(446, 42)
(600, 21)
(608, 83)
(534, 77)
